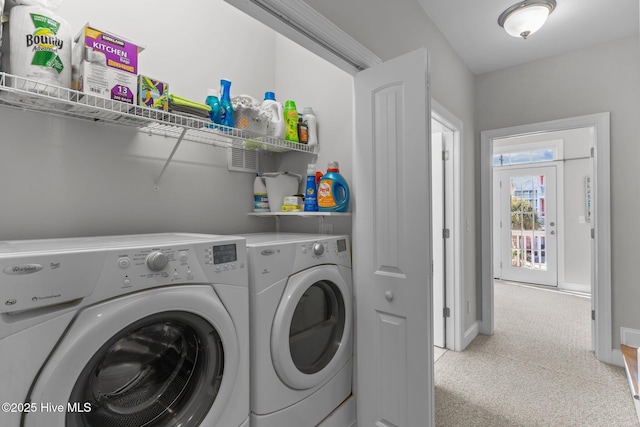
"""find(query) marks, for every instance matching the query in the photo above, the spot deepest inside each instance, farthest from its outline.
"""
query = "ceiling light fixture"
(526, 17)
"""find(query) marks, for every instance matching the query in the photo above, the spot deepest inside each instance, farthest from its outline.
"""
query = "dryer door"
(312, 329)
(166, 357)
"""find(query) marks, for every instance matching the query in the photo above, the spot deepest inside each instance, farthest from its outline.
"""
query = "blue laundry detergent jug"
(333, 191)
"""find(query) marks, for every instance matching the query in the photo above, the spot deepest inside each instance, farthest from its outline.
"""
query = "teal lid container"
(333, 191)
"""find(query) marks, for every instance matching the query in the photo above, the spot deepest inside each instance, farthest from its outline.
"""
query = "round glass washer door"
(163, 357)
(312, 328)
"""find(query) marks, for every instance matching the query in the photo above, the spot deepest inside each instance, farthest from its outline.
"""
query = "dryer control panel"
(330, 250)
(59, 271)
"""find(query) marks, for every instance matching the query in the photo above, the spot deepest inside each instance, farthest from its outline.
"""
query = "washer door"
(166, 357)
(311, 333)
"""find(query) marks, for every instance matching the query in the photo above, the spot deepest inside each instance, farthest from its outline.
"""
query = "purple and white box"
(105, 64)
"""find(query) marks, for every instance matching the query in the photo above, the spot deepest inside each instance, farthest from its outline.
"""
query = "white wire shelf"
(31, 95)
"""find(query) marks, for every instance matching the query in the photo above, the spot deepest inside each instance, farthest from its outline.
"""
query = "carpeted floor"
(536, 370)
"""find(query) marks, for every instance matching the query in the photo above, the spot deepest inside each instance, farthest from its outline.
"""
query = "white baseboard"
(630, 337)
(470, 334)
(576, 287)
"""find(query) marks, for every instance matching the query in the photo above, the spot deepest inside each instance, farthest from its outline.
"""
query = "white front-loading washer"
(141, 330)
(301, 314)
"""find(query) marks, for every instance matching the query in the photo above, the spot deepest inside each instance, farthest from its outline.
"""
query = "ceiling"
(471, 26)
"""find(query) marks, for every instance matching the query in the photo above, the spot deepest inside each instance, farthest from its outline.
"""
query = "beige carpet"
(536, 370)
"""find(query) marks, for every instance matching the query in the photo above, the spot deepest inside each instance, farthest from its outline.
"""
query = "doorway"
(446, 178)
(600, 225)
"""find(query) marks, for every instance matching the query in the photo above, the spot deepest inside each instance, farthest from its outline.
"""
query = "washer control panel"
(49, 272)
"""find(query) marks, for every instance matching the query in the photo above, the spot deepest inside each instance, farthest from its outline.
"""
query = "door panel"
(529, 225)
(392, 250)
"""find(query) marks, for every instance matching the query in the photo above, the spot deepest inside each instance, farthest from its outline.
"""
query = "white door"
(438, 226)
(529, 225)
(392, 250)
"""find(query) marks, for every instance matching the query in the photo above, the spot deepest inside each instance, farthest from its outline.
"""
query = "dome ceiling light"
(527, 17)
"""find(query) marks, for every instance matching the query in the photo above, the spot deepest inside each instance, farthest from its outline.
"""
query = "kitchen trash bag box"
(106, 65)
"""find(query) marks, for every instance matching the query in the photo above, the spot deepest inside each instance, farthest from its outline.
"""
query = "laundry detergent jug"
(333, 191)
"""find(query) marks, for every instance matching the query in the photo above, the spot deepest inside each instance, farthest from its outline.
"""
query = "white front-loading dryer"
(301, 313)
(144, 330)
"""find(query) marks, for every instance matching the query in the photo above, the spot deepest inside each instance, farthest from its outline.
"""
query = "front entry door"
(529, 225)
(392, 250)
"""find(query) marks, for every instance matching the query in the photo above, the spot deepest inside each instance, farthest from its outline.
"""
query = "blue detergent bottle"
(333, 191)
(225, 102)
(310, 193)
(216, 108)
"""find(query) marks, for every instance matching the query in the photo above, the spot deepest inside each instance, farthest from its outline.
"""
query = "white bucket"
(280, 185)
(40, 45)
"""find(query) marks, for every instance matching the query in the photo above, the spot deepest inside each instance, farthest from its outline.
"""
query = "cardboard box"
(153, 93)
(105, 65)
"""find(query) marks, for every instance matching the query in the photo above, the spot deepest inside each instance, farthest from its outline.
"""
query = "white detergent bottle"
(260, 197)
(275, 125)
(309, 118)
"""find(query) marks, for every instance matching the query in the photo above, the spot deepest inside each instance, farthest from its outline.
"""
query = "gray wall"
(594, 80)
(390, 29)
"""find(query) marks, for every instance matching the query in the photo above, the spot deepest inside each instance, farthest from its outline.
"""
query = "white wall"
(65, 177)
(594, 80)
(392, 28)
(313, 82)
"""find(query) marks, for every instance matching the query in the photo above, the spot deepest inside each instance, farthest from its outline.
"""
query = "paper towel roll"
(1, 19)
(39, 46)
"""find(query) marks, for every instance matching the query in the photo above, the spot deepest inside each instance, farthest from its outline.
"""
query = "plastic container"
(275, 125)
(333, 191)
(216, 108)
(290, 121)
(303, 131)
(260, 197)
(225, 102)
(310, 192)
(309, 118)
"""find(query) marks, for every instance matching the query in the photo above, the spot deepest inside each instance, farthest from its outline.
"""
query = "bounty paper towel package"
(105, 65)
(39, 46)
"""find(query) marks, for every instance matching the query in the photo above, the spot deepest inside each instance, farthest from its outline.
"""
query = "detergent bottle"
(333, 191)
(275, 125)
(216, 109)
(225, 102)
(291, 121)
(260, 197)
(310, 193)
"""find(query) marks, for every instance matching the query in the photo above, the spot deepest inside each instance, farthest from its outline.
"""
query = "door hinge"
(593, 315)
(500, 224)
(500, 264)
(446, 312)
(593, 233)
(445, 156)
(431, 268)
(500, 184)
(593, 151)
(446, 233)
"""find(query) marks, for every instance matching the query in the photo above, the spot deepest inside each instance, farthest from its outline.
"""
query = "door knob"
(553, 232)
(552, 224)
(388, 295)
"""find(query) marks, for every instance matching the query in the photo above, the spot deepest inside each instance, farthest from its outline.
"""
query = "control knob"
(157, 261)
(318, 249)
